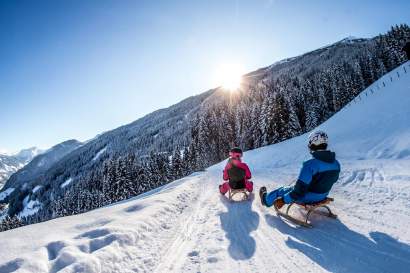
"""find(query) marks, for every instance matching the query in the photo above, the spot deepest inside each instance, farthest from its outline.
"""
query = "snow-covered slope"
(10, 163)
(29, 177)
(187, 226)
(21, 189)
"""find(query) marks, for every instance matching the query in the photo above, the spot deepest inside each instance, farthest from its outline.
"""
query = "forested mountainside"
(294, 96)
(33, 171)
(275, 103)
(10, 163)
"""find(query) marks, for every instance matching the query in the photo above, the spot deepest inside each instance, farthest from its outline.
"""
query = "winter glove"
(279, 203)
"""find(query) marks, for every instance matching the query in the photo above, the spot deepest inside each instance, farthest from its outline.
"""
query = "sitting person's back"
(315, 180)
(236, 173)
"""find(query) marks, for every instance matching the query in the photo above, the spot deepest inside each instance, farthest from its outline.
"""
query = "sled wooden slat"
(310, 208)
(233, 192)
(293, 220)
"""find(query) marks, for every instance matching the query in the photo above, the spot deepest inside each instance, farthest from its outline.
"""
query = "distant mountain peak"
(29, 153)
(40, 162)
(350, 38)
(12, 162)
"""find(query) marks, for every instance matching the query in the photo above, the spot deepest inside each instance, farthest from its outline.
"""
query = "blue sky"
(75, 68)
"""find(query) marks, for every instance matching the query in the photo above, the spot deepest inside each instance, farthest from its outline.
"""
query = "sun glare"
(229, 76)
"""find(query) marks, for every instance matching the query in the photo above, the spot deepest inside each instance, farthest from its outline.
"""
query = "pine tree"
(10, 223)
(176, 164)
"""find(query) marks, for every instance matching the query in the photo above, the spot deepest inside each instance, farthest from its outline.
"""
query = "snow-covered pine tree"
(176, 168)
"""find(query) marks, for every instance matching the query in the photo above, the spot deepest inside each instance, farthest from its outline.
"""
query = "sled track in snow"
(224, 236)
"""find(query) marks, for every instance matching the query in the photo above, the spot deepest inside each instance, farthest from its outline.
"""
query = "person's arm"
(248, 174)
(225, 172)
(302, 184)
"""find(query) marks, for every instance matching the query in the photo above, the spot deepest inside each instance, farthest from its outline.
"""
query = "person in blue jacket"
(316, 177)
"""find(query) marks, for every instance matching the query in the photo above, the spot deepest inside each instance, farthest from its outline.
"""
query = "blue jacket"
(315, 179)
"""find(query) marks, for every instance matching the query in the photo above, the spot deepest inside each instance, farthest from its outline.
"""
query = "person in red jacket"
(236, 173)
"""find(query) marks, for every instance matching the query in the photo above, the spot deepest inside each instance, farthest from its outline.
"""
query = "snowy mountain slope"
(42, 163)
(310, 61)
(164, 130)
(377, 125)
(187, 226)
(29, 178)
(9, 164)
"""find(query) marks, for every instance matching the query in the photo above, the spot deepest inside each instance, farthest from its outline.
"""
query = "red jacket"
(238, 164)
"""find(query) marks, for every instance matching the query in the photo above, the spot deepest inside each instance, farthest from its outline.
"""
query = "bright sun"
(229, 76)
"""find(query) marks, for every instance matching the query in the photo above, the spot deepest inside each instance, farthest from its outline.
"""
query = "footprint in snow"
(53, 249)
(93, 234)
(193, 254)
(212, 260)
(11, 266)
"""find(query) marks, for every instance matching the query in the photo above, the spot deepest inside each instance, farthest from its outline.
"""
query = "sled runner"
(310, 208)
(233, 192)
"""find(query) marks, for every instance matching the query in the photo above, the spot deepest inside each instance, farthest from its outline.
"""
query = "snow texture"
(66, 183)
(36, 188)
(187, 226)
(30, 207)
(99, 153)
(6, 193)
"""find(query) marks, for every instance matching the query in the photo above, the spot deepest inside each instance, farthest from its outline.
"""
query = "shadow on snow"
(238, 222)
(336, 248)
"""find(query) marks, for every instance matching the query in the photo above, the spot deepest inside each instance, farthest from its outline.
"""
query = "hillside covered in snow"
(187, 226)
(28, 179)
(275, 103)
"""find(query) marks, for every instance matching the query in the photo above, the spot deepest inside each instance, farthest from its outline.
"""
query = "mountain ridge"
(12, 162)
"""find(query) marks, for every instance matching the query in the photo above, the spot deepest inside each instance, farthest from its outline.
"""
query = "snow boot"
(262, 195)
(279, 203)
(220, 190)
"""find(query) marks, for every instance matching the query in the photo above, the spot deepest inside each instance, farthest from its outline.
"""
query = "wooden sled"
(243, 192)
(310, 208)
